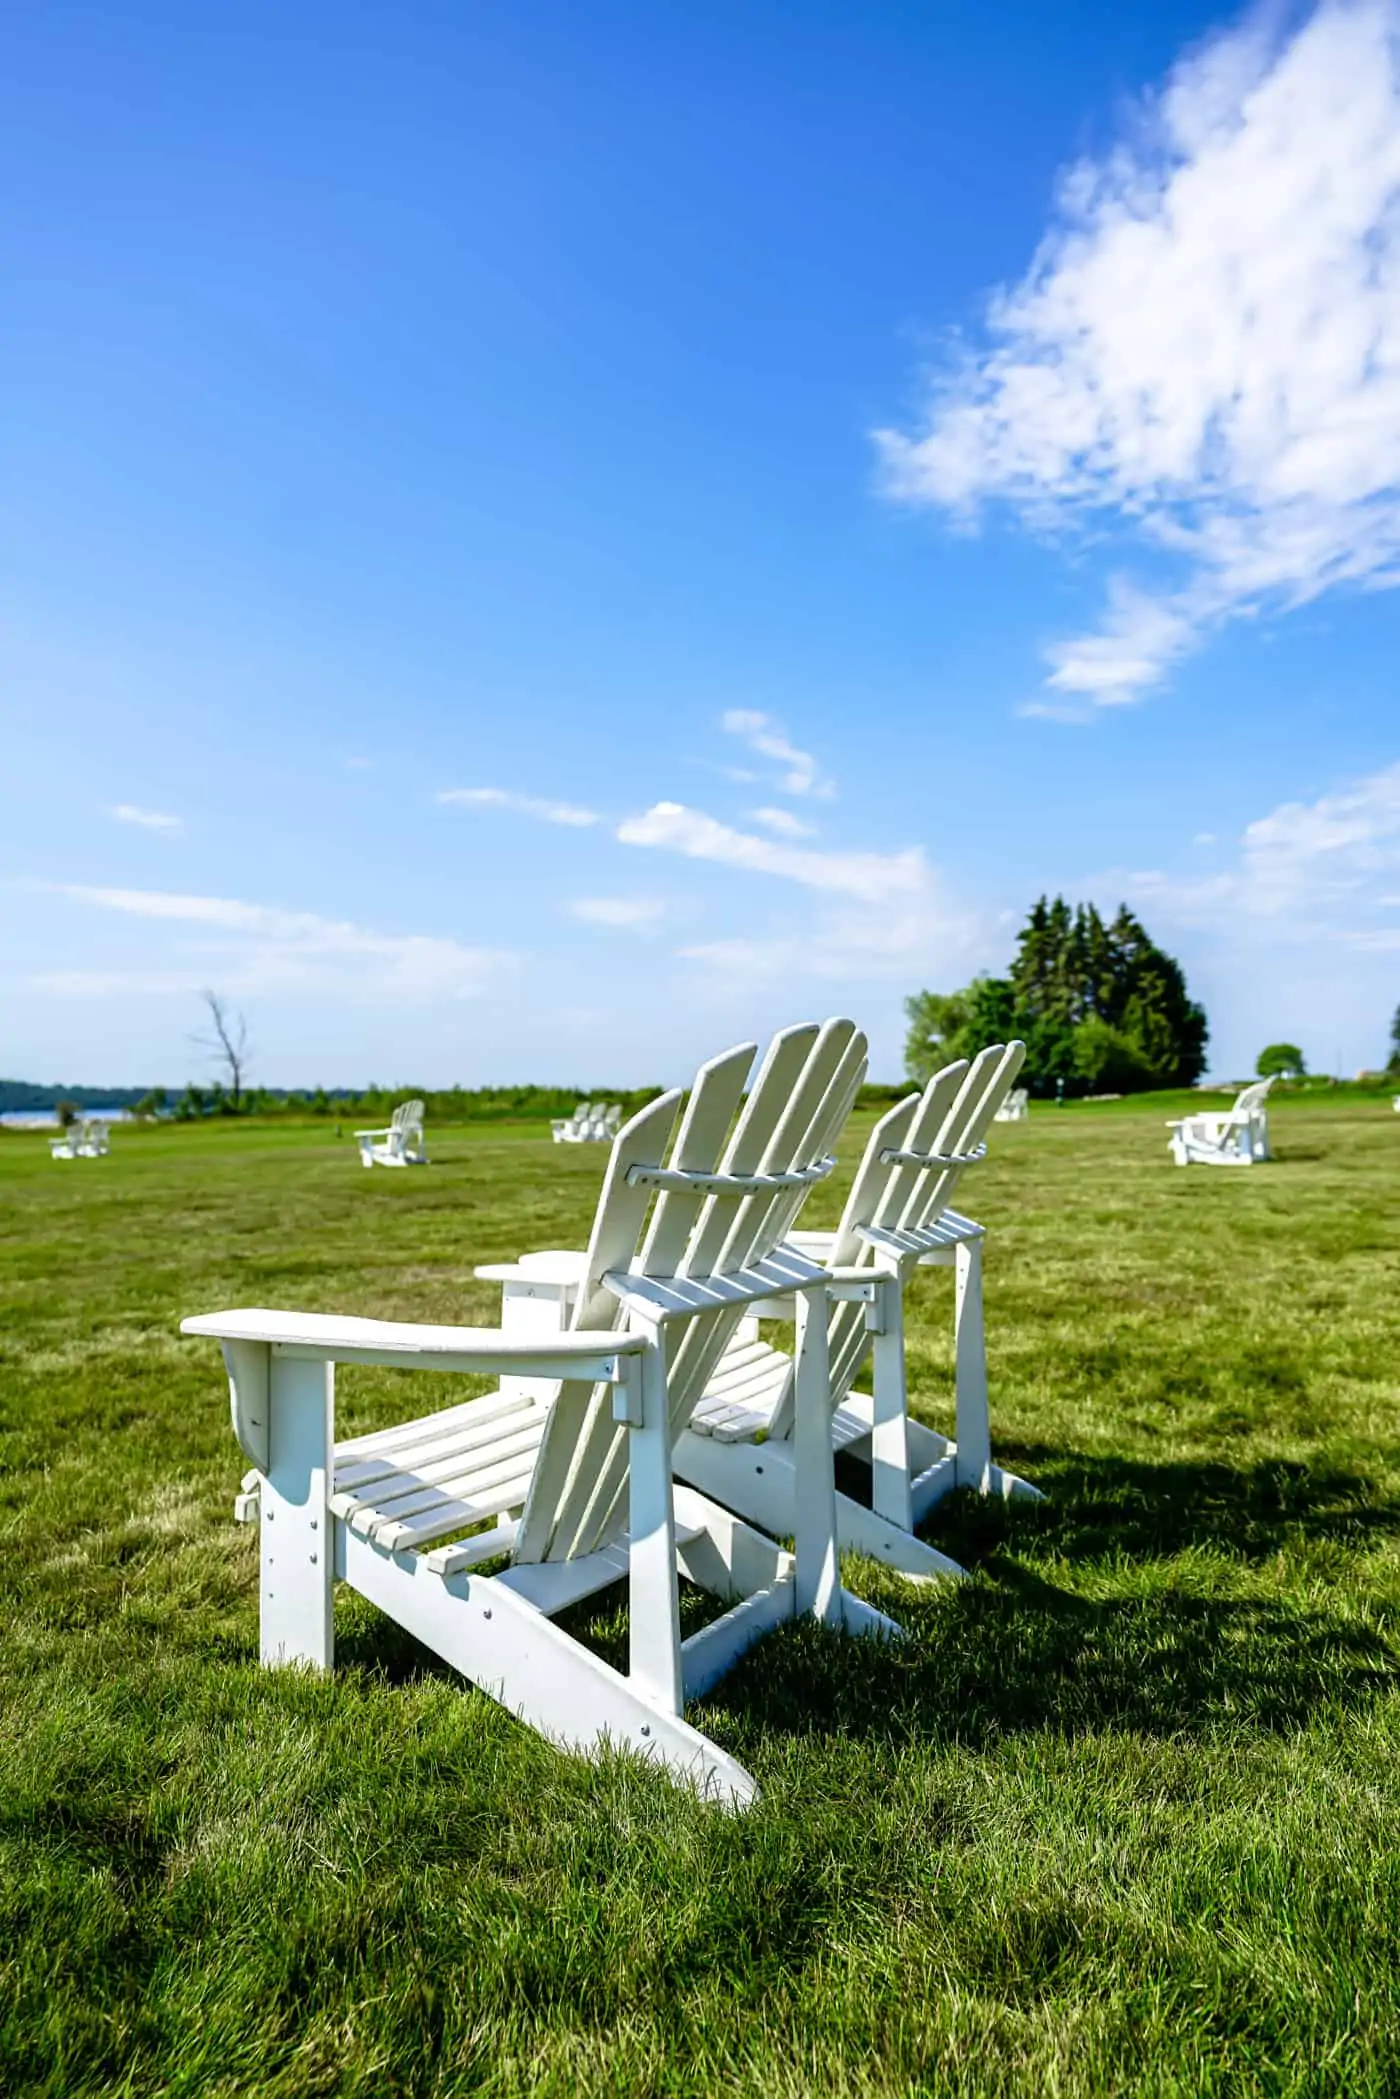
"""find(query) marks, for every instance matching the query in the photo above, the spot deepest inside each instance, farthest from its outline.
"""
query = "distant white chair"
(1237, 1137)
(592, 1122)
(1016, 1106)
(84, 1139)
(568, 1129)
(400, 1143)
(565, 1471)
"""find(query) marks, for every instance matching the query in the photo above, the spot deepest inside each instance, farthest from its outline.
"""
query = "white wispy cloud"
(1305, 870)
(873, 878)
(1139, 639)
(1205, 349)
(548, 812)
(783, 822)
(800, 775)
(920, 940)
(147, 819)
(262, 946)
(636, 914)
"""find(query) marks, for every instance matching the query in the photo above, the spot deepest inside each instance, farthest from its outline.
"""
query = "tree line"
(373, 1104)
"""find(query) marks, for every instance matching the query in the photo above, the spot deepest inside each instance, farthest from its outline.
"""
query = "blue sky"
(537, 541)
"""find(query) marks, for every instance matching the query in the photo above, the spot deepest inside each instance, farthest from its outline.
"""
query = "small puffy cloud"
(783, 822)
(538, 806)
(1205, 350)
(632, 914)
(146, 819)
(801, 774)
(874, 878)
(1138, 641)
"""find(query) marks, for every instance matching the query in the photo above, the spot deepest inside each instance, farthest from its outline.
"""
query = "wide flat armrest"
(387, 1131)
(333, 1338)
(559, 1265)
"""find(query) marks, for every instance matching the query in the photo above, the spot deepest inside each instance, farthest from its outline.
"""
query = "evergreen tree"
(1100, 1007)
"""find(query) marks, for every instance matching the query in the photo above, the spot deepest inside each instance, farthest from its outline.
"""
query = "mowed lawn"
(1121, 1814)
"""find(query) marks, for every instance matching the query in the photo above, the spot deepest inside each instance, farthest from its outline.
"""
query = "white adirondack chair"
(400, 1143)
(1016, 1106)
(739, 1446)
(1238, 1137)
(87, 1138)
(592, 1122)
(572, 1454)
(568, 1129)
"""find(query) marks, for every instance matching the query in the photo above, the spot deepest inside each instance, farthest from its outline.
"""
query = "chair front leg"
(654, 1619)
(889, 1439)
(974, 1428)
(297, 1546)
(818, 1574)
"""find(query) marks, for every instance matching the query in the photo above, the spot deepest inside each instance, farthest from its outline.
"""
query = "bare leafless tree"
(228, 1044)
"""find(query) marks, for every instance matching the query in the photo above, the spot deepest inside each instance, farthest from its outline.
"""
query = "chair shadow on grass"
(1017, 1651)
(1014, 1651)
(1130, 1508)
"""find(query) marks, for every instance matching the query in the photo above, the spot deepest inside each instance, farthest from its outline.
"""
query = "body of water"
(45, 1119)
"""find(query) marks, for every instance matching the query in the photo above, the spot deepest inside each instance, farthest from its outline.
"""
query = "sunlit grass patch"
(1120, 1814)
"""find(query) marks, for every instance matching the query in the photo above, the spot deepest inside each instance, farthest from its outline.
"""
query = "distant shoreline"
(47, 1118)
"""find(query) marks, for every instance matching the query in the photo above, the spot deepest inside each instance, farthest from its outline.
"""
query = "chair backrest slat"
(970, 1117)
(890, 1133)
(907, 1185)
(617, 1226)
(786, 1125)
(811, 1119)
(732, 1231)
(775, 1132)
(713, 1104)
(949, 1118)
(878, 1193)
(807, 1132)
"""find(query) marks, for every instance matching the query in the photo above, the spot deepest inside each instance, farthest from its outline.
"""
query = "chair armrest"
(1215, 1123)
(559, 1265)
(387, 1131)
(589, 1358)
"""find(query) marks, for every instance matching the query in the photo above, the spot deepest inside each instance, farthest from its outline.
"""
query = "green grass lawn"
(1122, 1814)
